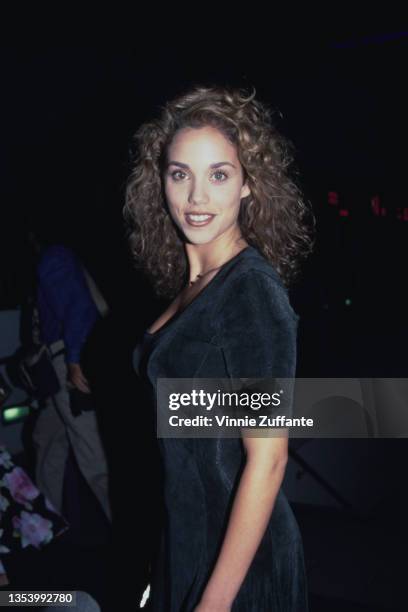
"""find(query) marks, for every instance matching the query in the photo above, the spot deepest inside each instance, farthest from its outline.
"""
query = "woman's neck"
(204, 258)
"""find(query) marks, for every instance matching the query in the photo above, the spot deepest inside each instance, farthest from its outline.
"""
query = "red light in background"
(343, 212)
(405, 215)
(375, 205)
(333, 198)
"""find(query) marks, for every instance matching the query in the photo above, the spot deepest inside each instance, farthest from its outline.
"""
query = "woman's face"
(203, 182)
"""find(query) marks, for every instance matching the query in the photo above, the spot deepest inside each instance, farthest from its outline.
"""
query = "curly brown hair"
(274, 218)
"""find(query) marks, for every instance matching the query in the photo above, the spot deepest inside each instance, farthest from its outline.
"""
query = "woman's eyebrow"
(216, 165)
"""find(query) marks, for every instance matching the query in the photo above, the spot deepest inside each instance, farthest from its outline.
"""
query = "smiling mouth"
(197, 220)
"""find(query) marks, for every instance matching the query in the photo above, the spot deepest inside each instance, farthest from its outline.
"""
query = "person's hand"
(77, 379)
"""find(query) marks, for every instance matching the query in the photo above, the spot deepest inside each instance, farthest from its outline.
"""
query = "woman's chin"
(198, 241)
(198, 237)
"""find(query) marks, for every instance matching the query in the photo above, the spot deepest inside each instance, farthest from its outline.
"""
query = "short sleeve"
(258, 328)
(258, 336)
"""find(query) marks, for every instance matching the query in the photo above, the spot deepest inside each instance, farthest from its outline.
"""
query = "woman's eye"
(178, 172)
(223, 173)
(173, 174)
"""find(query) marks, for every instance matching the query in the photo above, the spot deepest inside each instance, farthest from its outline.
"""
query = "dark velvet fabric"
(241, 325)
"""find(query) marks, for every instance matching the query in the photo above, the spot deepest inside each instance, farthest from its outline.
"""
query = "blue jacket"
(66, 308)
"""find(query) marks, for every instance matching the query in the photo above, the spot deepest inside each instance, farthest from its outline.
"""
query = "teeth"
(199, 217)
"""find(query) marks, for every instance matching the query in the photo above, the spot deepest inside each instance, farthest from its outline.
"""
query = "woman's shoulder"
(251, 287)
(252, 269)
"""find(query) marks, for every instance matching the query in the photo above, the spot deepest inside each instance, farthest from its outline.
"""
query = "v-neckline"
(196, 298)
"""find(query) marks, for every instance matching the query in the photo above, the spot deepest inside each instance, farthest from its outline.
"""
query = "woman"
(219, 228)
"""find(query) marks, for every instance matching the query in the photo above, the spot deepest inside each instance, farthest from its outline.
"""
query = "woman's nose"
(198, 194)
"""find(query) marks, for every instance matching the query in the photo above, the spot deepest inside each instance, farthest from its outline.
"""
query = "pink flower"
(20, 485)
(34, 529)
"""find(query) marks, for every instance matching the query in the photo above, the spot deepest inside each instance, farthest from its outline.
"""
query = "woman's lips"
(199, 220)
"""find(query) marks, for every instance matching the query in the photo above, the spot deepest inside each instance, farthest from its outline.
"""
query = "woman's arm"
(259, 484)
(259, 340)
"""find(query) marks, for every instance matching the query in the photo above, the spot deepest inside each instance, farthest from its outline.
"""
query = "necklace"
(212, 269)
(204, 274)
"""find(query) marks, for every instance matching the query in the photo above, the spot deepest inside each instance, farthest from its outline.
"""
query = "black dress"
(240, 325)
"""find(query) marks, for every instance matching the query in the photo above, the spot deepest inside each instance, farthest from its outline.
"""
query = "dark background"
(68, 115)
(69, 110)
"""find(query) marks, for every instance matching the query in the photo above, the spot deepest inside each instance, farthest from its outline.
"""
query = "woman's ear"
(245, 191)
